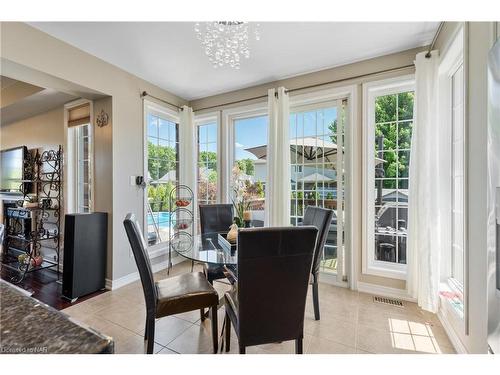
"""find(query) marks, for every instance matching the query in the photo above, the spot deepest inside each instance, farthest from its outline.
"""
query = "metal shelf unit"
(29, 229)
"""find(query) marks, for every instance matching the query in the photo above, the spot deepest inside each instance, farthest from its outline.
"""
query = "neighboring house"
(391, 195)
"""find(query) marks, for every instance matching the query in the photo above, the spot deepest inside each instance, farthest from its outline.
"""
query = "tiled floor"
(350, 323)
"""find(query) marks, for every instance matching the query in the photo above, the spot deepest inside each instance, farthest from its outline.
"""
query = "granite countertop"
(29, 326)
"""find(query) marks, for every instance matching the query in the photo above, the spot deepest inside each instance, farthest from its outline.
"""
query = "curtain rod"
(144, 94)
(311, 86)
(431, 46)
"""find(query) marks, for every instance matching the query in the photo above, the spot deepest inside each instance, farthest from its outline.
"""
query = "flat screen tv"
(12, 170)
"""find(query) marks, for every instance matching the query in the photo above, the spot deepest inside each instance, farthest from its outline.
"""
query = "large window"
(388, 141)
(317, 170)
(162, 147)
(83, 176)
(457, 177)
(249, 170)
(207, 163)
(80, 156)
(453, 287)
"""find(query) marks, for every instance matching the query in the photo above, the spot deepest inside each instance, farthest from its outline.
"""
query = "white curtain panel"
(425, 210)
(278, 159)
(187, 152)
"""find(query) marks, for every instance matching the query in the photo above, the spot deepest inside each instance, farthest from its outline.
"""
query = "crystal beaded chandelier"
(225, 42)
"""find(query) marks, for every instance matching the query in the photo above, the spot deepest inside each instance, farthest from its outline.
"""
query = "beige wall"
(351, 74)
(42, 131)
(49, 62)
(103, 169)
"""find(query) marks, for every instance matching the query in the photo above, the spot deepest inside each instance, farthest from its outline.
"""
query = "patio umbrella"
(307, 150)
(316, 177)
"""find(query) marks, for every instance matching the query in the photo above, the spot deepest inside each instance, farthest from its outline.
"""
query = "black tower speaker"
(85, 251)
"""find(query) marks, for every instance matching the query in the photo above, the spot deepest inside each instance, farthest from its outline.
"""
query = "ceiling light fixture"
(226, 42)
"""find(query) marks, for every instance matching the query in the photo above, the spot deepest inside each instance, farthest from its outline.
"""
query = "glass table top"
(210, 248)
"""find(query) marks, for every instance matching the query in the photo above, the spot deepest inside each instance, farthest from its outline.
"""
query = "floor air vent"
(388, 301)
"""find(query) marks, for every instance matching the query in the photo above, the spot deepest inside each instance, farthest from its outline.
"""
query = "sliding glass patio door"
(317, 138)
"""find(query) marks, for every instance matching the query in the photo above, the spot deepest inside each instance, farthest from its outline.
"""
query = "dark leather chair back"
(273, 275)
(321, 219)
(216, 218)
(139, 248)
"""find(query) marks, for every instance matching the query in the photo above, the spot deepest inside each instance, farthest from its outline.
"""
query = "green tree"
(209, 159)
(396, 136)
(161, 160)
(388, 110)
(246, 166)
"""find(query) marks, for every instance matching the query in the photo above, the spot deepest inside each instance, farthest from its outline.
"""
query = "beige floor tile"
(319, 345)
(286, 347)
(350, 323)
(196, 339)
(332, 329)
(190, 316)
(132, 317)
(126, 341)
(359, 351)
(168, 328)
(166, 351)
(377, 341)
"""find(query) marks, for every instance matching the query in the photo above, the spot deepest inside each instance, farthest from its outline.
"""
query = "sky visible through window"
(249, 132)
(252, 131)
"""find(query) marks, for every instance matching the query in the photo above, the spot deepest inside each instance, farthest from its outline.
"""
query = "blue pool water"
(162, 219)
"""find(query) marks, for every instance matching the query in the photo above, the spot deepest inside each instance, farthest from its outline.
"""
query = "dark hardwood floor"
(44, 287)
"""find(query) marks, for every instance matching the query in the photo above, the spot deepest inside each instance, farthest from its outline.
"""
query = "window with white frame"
(389, 122)
(83, 162)
(80, 157)
(207, 163)
(317, 134)
(452, 119)
(162, 165)
(249, 169)
(457, 177)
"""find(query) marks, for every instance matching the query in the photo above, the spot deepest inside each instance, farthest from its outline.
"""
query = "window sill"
(453, 298)
(383, 269)
(158, 250)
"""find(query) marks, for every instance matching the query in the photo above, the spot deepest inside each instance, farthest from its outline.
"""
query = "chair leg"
(242, 349)
(215, 330)
(315, 298)
(227, 327)
(298, 346)
(202, 314)
(150, 329)
(192, 265)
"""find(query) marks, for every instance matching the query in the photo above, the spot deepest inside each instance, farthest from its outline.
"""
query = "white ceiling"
(168, 54)
(29, 103)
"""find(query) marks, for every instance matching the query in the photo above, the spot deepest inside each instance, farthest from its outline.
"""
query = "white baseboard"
(331, 279)
(384, 291)
(455, 340)
(130, 278)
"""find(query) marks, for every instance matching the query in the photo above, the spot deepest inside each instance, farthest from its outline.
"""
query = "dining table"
(209, 248)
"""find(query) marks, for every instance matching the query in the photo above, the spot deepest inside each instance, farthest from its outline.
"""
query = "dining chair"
(321, 219)
(268, 303)
(175, 295)
(215, 218)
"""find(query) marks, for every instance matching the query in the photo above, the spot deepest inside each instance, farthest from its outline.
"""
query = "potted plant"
(240, 203)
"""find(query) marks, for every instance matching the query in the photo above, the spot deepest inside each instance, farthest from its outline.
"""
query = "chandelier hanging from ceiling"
(226, 42)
